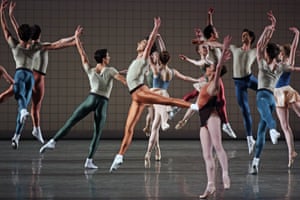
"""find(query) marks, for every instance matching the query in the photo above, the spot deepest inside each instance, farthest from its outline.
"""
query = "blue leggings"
(265, 105)
(241, 86)
(23, 85)
(98, 105)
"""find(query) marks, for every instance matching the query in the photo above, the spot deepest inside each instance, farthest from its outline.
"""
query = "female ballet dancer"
(141, 94)
(285, 96)
(162, 76)
(210, 122)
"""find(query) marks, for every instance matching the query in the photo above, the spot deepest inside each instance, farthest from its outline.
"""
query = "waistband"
(264, 89)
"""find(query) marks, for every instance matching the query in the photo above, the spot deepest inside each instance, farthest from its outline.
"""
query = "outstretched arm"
(294, 46)
(81, 51)
(62, 43)
(120, 78)
(192, 61)
(152, 38)
(185, 78)
(265, 36)
(5, 30)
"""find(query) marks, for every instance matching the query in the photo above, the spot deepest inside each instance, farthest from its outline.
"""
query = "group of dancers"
(275, 64)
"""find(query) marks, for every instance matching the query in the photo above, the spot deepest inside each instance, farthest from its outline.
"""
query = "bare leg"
(134, 115)
(37, 98)
(7, 94)
(296, 107)
(145, 96)
(283, 116)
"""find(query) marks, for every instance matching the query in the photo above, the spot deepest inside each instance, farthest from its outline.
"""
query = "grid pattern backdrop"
(118, 25)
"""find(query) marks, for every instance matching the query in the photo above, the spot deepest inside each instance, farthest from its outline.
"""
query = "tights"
(211, 138)
(140, 97)
(93, 103)
(37, 98)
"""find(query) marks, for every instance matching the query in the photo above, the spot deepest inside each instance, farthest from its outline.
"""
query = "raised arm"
(210, 16)
(12, 18)
(5, 30)
(199, 38)
(265, 36)
(152, 38)
(294, 46)
(161, 43)
(81, 51)
(224, 57)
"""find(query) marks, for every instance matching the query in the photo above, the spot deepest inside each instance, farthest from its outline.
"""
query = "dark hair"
(24, 32)
(208, 30)
(164, 57)
(100, 54)
(251, 34)
(35, 32)
(286, 48)
(272, 50)
(154, 46)
(223, 70)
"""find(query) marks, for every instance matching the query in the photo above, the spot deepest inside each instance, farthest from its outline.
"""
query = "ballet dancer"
(141, 94)
(40, 64)
(210, 123)
(269, 72)
(101, 83)
(285, 96)
(162, 77)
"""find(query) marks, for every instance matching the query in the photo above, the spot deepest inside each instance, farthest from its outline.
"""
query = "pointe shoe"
(157, 155)
(292, 159)
(147, 131)
(147, 160)
(226, 182)
(180, 124)
(207, 193)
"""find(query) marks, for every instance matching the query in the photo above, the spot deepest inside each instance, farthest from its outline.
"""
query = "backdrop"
(118, 25)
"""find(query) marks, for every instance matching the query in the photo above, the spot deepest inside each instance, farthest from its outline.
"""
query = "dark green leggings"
(96, 103)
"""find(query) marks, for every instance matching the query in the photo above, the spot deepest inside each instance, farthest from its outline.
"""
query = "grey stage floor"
(59, 174)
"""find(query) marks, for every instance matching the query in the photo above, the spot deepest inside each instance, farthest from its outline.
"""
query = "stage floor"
(59, 174)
